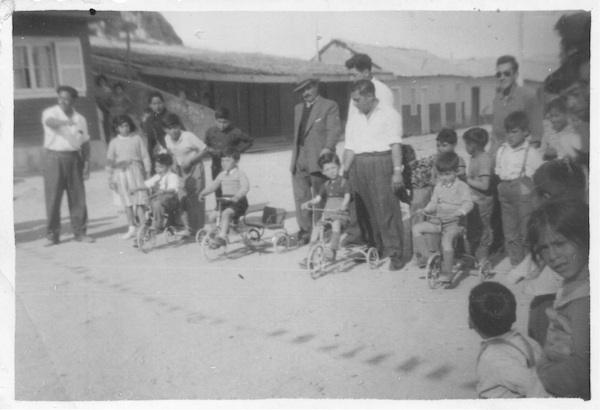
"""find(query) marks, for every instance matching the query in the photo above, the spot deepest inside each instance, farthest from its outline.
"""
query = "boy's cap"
(305, 80)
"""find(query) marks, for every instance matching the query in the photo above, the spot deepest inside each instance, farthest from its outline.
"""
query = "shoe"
(352, 242)
(396, 263)
(51, 242)
(130, 233)
(445, 278)
(302, 237)
(420, 263)
(135, 243)
(329, 255)
(217, 242)
(84, 239)
(303, 263)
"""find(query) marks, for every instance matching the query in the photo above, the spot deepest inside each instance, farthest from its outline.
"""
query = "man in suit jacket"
(317, 129)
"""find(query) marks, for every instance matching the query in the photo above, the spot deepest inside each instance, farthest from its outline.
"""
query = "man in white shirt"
(373, 164)
(359, 67)
(67, 152)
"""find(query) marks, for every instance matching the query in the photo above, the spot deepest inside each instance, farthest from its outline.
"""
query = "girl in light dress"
(128, 165)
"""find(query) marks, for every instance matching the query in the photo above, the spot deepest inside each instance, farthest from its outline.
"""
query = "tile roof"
(201, 60)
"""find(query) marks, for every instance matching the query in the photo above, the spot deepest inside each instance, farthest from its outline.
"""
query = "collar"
(450, 185)
(310, 104)
(571, 291)
(524, 145)
(231, 171)
(490, 340)
(73, 114)
(504, 93)
(375, 108)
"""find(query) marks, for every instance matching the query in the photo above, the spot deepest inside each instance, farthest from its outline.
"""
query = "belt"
(374, 154)
(61, 153)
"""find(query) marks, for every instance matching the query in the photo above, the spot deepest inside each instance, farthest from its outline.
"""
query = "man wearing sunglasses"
(509, 98)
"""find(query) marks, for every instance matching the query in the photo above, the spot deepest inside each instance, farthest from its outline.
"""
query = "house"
(431, 92)
(50, 48)
(257, 88)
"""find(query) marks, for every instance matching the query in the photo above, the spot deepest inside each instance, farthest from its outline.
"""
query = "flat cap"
(305, 80)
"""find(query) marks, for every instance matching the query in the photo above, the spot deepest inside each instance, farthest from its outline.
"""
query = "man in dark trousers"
(373, 164)
(317, 129)
(66, 165)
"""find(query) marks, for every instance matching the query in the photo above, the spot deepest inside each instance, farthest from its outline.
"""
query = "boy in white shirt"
(516, 161)
(506, 362)
(164, 185)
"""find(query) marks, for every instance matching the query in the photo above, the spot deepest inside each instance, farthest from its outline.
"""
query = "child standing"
(450, 201)
(559, 235)
(479, 230)
(336, 193)
(235, 185)
(164, 186)
(516, 162)
(127, 164)
(446, 141)
(564, 141)
(507, 359)
(187, 150)
(224, 135)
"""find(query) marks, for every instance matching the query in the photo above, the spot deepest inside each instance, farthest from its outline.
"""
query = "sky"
(448, 34)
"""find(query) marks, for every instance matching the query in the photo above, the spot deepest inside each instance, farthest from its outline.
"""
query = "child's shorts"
(343, 217)
(239, 208)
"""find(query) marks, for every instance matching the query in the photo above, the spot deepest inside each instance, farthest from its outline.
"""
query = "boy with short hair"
(516, 161)
(164, 185)
(221, 136)
(424, 175)
(446, 141)
(450, 201)
(336, 193)
(563, 141)
(506, 362)
(479, 229)
(235, 185)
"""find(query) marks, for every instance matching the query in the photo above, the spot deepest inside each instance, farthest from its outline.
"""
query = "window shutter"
(69, 60)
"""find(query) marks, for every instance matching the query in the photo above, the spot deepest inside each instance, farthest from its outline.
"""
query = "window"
(42, 64)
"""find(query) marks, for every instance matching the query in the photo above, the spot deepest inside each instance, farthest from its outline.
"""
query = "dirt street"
(105, 321)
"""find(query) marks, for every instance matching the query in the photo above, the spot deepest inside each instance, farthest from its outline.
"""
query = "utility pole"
(317, 41)
(521, 53)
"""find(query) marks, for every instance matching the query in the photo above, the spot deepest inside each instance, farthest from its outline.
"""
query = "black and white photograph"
(298, 205)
